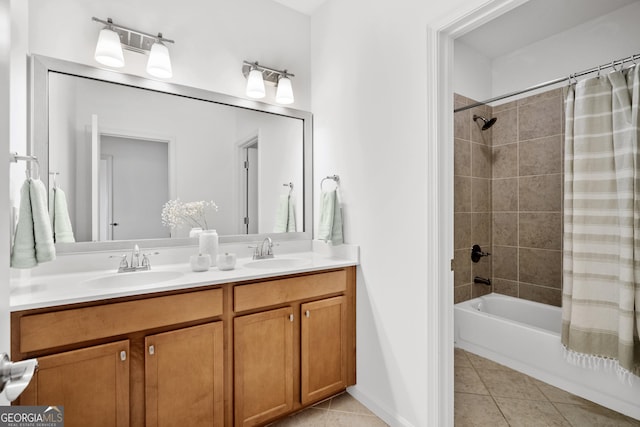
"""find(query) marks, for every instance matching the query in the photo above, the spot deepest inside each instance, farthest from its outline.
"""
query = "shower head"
(487, 122)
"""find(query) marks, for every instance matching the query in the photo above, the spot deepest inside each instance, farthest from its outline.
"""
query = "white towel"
(286, 215)
(23, 253)
(330, 225)
(45, 250)
(60, 222)
(33, 243)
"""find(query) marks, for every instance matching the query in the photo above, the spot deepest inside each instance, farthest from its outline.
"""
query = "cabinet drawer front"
(47, 330)
(256, 295)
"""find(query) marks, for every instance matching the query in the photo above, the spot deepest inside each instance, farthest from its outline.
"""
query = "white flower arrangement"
(176, 212)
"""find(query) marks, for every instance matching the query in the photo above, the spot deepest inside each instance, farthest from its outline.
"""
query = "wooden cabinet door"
(263, 363)
(323, 348)
(91, 383)
(184, 377)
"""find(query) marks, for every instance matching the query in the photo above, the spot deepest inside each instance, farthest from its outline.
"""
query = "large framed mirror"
(121, 146)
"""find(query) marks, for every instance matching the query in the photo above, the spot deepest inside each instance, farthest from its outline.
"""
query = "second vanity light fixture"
(257, 74)
(114, 37)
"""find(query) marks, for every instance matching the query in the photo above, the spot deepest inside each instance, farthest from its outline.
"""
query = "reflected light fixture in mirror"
(114, 37)
(257, 75)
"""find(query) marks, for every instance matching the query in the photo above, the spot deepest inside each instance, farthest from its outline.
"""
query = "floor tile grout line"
(495, 402)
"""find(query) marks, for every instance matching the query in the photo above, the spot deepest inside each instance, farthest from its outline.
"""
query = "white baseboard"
(381, 411)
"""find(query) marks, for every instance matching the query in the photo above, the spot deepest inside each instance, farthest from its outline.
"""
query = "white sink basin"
(133, 279)
(277, 263)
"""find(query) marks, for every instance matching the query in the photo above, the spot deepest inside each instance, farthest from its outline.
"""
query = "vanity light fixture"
(114, 37)
(257, 75)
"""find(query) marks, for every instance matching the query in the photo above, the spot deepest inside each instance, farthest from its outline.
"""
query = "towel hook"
(290, 185)
(14, 157)
(334, 178)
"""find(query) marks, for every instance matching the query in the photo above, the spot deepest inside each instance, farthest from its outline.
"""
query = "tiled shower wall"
(472, 200)
(525, 170)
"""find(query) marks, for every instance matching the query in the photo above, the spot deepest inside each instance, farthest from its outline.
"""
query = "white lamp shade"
(108, 49)
(255, 84)
(284, 94)
(159, 64)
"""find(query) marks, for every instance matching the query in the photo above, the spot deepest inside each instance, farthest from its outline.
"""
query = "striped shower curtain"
(601, 260)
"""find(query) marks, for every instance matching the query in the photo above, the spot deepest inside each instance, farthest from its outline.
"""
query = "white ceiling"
(535, 20)
(304, 6)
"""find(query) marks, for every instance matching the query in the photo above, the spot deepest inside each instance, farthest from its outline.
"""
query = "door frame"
(439, 302)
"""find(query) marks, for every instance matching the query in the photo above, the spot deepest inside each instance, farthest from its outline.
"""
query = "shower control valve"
(476, 253)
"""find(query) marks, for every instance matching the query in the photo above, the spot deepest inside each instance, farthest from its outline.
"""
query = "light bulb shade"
(108, 49)
(284, 93)
(255, 84)
(159, 63)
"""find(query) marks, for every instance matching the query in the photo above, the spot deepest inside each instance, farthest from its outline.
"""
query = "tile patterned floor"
(489, 394)
(340, 411)
(486, 395)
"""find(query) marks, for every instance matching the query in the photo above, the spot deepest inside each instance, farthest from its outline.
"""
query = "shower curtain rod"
(599, 68)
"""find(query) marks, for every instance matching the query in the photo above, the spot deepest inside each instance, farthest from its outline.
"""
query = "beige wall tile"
(540, 193)
(540, 119)
(480, 161)
(505, 161)
(553, 93)
(462, 125)
(461, 293)
(480, 195)
(461, 194)
(505, 130)
(460, 99)
(478, 290)
(461, 230)
(461, 157)
(481, 229)
(505, 229)
(482, 268)
(504, 194)
(505, 106)
(505, 287)
(540, 294)
(505, 262)
(541, 267)
(541, 156)
(540, 230)
(462, 267)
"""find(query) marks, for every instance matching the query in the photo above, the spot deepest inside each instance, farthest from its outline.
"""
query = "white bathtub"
(525, 336)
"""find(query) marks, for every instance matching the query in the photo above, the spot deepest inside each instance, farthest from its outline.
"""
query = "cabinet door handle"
(123, 355)
(152, 350)
(306, 313)
(291, 318)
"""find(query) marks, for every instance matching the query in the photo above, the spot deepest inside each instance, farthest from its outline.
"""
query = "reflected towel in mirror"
(59, 213)
(286, 215)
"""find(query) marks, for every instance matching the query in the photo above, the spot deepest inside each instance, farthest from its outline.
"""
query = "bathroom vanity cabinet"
(241, 353)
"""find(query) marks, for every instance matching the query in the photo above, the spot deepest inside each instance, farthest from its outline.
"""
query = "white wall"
(212, 38)
(472, 76)
(596, 42)
(5, 133)
(369, 99)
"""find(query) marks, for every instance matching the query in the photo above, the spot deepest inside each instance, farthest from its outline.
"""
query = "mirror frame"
(40, 66)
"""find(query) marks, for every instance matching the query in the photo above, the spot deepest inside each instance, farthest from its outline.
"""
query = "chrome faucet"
(263, 250)
(134, 265)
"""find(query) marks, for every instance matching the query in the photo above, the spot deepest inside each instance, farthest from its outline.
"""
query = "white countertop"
(48, 290)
